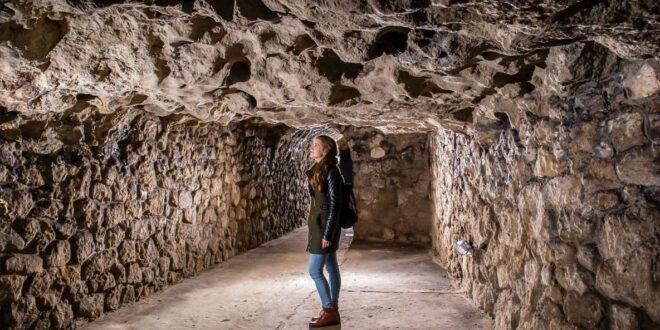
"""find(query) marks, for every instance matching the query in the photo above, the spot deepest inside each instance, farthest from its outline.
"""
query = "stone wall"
(100, 210)
(562, 208)
(392, 182)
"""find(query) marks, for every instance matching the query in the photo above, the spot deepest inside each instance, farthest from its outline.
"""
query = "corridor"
(383, 287)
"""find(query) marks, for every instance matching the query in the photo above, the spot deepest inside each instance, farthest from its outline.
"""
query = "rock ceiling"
(400, 65)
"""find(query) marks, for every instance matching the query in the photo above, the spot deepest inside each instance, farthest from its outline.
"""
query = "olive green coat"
(316, 221)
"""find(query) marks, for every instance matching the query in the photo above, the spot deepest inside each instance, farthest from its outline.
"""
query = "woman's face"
(316, 149)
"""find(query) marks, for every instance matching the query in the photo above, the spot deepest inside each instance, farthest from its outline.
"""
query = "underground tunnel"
(153, 157)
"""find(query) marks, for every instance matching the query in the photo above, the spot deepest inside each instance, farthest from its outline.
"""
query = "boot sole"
(325, 325)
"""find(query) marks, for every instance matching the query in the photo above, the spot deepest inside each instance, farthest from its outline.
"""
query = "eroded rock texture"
(543, 118)
(399, 65)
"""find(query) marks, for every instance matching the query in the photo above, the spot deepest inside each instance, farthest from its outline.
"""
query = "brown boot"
(321, 313)
(330, 316)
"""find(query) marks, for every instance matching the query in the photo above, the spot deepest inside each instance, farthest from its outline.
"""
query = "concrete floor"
(383, 287)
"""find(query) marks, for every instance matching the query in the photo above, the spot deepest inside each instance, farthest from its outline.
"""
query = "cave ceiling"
(401, 66)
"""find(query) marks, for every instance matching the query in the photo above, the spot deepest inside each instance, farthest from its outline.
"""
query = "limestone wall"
(98, 211)
(391, 185)
(562, 208)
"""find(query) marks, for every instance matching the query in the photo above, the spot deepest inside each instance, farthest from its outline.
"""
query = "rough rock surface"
(395, 64)
(562, 210)
(543, 120)
(138, 203)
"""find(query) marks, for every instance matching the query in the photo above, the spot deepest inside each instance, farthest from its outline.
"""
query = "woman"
(325, 187)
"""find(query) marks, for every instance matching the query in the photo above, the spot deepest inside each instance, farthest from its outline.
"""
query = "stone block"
(113, 298)
(115, 213)
(89, 215)
(62, 315)
(101, 283)
(531, 206)
(563, 193)
(583, 310)
(98, 263)
(59, 254)
(11, 241)
(133, 273)
(10, 287)
(83, 245)
(15, 204)
(39, 284)
(588, 257)
(547, 165)
(629, 279)
(639, 167)
(24, 264)
(91, 306)
(147, 253)
(575, 228)
(114, 236)
(139, 229)
(626, 131)
(31, 177)
(574, 278)
(21, 313)
(643, 83)
(126, 251)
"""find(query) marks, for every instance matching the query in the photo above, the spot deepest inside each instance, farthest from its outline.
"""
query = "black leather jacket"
(332, 189)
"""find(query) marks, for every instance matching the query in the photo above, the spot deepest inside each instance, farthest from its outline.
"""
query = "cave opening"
(391, 41)
(239, 71)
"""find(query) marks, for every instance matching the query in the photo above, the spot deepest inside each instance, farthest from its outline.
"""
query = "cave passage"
(389, 278)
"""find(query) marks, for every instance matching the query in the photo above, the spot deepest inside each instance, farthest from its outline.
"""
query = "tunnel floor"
(383, 287)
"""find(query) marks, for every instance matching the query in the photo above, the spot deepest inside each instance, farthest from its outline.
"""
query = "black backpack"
(348, 215)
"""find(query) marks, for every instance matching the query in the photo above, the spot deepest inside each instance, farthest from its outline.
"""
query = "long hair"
(330, 159)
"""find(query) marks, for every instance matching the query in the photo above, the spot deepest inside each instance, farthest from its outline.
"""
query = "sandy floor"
(383, 287)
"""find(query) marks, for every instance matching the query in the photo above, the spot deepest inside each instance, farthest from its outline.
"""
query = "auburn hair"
(321, 168)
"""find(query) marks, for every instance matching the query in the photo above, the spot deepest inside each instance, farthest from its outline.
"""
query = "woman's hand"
(325, 243)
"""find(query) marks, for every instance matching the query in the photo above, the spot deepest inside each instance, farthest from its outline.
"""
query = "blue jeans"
(329, 295)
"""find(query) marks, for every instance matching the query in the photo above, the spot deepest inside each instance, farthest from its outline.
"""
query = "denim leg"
(332, 267)
(316, 262)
